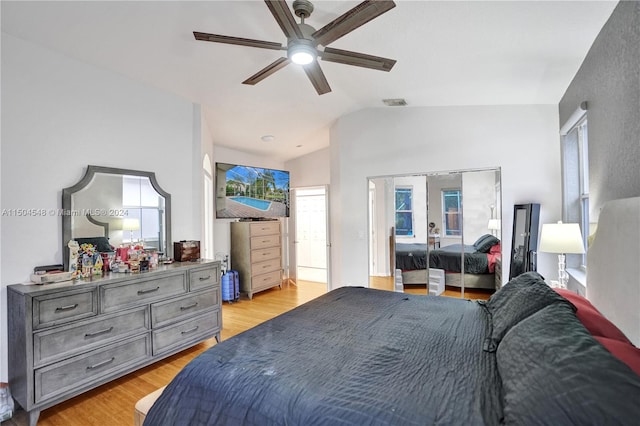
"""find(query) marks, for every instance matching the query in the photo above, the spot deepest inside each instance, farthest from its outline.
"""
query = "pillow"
(101, 243)
(495, 249)
(554, 372)
(625, 352)
(591, 318)
(484, 243)
(522, 296)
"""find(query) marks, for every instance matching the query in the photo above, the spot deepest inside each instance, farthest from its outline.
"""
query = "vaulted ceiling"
(447, 52)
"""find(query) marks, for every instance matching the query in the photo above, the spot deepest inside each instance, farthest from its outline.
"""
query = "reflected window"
(404, 211)
(144, 207)
(452, 212)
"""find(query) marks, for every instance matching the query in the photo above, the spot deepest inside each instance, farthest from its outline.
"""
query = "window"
(452, 212)
(575, 176)
(404, 211)
(144, 209)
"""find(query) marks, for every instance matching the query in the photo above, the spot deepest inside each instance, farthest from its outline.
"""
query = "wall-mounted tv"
(244, 192)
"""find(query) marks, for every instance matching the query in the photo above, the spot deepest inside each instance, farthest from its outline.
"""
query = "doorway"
(311, 234)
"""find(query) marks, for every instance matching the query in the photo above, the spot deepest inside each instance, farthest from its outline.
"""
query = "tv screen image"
(245, 192)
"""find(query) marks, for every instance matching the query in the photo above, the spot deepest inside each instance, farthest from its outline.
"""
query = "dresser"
(69, 337)
(256, 253)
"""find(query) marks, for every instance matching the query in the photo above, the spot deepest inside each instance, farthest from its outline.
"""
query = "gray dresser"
(67, 338)
(256, 253)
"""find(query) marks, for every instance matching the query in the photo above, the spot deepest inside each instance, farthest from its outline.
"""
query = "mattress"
(362, 356)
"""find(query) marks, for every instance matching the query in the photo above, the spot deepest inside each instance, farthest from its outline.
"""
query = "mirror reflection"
(436, 233)
(125, 206)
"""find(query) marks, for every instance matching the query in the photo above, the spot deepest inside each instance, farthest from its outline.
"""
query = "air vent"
(395, 102)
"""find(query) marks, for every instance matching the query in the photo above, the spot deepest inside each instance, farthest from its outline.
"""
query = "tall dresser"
(256, 253)
(69, 337)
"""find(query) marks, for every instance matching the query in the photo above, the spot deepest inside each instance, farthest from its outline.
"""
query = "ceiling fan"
(303, 40)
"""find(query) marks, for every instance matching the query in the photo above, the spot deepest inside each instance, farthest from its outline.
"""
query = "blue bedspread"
(354, 356)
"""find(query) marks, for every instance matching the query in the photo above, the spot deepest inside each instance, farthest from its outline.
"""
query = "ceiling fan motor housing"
(302, 8)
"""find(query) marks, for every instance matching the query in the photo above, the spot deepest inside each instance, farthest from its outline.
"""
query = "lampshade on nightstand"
(561, 238)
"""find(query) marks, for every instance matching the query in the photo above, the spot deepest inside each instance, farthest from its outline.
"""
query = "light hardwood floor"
(112, 404)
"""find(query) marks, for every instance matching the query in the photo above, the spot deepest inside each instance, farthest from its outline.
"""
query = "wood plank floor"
(113, 403)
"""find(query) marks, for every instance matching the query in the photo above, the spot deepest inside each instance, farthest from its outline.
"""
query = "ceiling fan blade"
(267, 71)
(359, 15)
(358, 59)
(238, 40)
(315, 74)
(282, 13)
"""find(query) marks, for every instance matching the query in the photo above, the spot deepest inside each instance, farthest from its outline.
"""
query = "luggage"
(230, 283)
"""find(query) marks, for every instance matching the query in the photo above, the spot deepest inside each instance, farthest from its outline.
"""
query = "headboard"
(613, 266)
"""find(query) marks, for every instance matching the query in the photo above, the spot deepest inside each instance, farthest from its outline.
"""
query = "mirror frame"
(86, 180)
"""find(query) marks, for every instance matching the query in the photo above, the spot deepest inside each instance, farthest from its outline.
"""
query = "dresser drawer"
(265, 254)
(62, 342)
(192, 330)
(265, 241)
(63, 307)
(163, 313)
(265, 228)
(87, 368)
(204, 278)
(266, 266)
(125, 294)
(269, 279)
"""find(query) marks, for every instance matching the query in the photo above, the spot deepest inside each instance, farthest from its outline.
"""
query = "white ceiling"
(448, 53)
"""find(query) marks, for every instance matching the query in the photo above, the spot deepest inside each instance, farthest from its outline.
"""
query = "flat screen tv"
(244, 192)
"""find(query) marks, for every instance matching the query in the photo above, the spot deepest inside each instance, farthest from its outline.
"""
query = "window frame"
(445, 228)
(575, 187)
(405, 212)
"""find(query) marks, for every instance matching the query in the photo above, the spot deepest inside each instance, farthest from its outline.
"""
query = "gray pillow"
(555, 373)
(484, 243)
(524, 295)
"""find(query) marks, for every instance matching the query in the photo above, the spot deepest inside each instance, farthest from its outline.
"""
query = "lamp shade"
(561, 238)
(494, 224)
(130, 224)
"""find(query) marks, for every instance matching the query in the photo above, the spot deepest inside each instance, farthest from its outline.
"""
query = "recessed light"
(267, 138)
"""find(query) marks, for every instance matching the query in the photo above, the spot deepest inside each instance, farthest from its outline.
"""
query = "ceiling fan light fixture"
(301, 52)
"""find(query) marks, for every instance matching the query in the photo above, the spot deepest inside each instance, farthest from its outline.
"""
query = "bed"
(479, 262)
(528, 355)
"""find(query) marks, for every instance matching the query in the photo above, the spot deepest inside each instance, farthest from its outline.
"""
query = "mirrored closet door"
(435, 233)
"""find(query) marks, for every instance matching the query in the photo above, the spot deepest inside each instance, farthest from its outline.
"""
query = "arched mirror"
(125, 206)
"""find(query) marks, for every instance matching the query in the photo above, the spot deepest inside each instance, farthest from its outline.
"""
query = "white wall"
(60, 115)
(522, 140)
(313, 169)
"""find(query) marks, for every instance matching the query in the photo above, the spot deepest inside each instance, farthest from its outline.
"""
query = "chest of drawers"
(256, 253)
(67, 338)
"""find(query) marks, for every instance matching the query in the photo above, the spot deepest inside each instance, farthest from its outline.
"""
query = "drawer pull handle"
(97, 333)
(205, 278)
(101, 364)
(151, 290)
(191, 330)
(67, 308)
(193, 305)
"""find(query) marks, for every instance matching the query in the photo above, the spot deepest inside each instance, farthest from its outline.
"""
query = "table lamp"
(494, 226)
(561, 238)
(130, 224)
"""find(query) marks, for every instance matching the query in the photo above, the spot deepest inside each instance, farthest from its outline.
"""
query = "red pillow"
(495, 249)
(591, 318)
(625, 352)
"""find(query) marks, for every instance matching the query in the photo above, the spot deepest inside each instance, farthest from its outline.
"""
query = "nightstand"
(434, 241)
